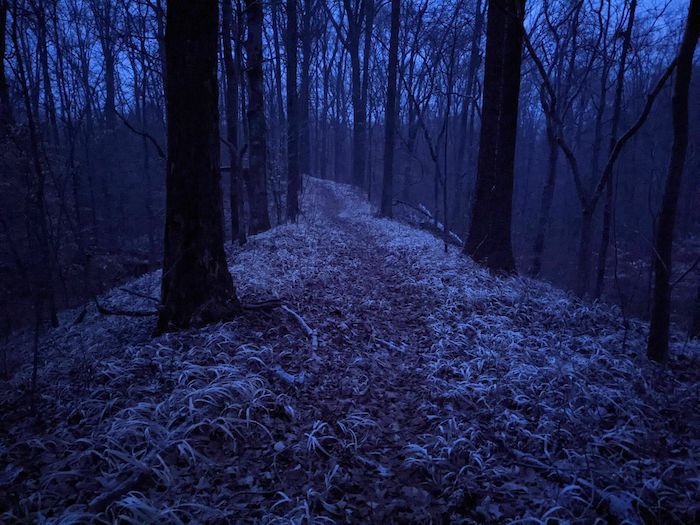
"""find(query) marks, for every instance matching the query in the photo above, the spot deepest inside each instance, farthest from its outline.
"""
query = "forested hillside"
(349, 261)
(393, 382)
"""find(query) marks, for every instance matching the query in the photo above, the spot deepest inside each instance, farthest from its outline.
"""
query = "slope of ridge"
(398, 384)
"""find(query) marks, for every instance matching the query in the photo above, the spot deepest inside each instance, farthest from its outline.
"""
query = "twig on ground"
(270, 304)
(310, 332)
(125, 313)
(139, 294)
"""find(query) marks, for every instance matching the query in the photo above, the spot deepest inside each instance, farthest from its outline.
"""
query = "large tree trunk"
(390, 113)
(489, 240)
(232, 76)
(657, 348)
(257, 132)
(196, 285)
(292, 112)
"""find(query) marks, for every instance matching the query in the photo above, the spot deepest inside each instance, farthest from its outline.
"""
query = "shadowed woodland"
(349, 261)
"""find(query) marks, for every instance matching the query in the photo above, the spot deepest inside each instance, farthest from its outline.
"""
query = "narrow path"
(368, 388)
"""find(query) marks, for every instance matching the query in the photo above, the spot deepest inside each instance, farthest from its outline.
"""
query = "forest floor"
(424, 390)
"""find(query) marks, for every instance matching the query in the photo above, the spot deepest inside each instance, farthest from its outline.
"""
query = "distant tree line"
(552, 136)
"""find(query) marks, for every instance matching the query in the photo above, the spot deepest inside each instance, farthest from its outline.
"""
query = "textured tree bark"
(232, 77)
(196, 287)
(257, 131)
(489, 240)
(390, 113)
(657, 348)
(292, 112)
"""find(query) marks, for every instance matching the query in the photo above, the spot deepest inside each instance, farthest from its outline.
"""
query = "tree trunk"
(196, 285)
(547, 197)
(304, 92)
(617, 110)
(657, 348)
(583, 266)
(103, 11)
(390, 113)
(292, 113)
(49, 102)
(37, 224)
(257, 140)
(279, 101)
(489, 240)
(367, 51)
(695, 322)
(5, 112)
(232, 76)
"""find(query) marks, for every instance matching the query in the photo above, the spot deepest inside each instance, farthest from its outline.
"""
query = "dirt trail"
(373, 340)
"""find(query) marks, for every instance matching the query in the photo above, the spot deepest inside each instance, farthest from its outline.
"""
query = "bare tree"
(489, 239)
(390, 112)
(256, 180)
(617, 111)
(232, 106)
(359, 14)
(293, 114)
(657, 348)
(196, 285)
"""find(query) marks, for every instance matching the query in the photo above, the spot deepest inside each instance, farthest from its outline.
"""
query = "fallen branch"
(310, 332)
(438, 231)
(139, 294)
(416, 208)
(125, 313)
(270, 304)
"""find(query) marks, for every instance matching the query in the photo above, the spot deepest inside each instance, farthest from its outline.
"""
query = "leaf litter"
(436, 393)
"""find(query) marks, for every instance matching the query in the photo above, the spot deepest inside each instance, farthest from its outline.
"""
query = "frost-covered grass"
(437, 393)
